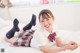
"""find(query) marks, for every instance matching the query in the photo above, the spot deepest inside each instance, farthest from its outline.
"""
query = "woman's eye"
(42, 21)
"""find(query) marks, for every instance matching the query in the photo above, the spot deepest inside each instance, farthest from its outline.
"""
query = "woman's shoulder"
(38, 30)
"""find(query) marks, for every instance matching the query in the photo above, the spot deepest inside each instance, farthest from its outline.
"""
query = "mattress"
(65, 35)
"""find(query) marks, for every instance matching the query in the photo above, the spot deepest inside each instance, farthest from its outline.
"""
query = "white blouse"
(40, 38)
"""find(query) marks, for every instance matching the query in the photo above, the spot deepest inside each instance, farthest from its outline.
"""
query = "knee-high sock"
(12, 31)
(31, 23)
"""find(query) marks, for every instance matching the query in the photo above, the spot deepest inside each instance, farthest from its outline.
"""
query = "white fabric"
(66, 36)
(40, 38)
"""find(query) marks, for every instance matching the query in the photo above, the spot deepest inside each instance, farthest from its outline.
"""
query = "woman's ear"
(53, 18)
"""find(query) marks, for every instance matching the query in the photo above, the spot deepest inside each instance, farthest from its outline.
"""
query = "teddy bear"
(5, 3)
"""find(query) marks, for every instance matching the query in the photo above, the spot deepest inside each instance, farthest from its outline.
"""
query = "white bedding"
(66, 36)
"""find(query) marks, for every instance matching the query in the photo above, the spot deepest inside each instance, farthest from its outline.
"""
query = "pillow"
(24, 38)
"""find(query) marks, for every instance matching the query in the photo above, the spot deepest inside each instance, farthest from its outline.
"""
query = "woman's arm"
(59, 42)
(47, 49)
(62, 47)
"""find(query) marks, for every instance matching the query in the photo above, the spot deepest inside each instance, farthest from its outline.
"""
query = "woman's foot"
(12, 31)
(15, 23)
(33, 20)
(31, 23)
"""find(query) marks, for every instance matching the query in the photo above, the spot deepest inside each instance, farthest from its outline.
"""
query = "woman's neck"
(50, 30)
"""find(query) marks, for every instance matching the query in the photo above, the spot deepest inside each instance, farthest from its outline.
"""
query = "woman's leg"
(31, 23)
(12, 31)
(12, 40)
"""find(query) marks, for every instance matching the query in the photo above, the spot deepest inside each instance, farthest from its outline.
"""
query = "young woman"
(47, 37)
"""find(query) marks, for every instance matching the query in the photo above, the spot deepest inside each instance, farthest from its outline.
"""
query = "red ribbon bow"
(51, 37)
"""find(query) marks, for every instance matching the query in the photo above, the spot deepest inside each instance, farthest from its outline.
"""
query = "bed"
(65, 35)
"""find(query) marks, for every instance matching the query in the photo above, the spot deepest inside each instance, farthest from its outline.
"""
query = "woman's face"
(46, 22)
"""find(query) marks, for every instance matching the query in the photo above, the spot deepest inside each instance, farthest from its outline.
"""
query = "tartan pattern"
(24, 38)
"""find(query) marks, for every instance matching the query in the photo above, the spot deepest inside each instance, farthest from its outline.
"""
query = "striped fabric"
(24, 39)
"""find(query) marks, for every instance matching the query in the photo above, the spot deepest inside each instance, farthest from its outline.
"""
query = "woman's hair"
(45, 13)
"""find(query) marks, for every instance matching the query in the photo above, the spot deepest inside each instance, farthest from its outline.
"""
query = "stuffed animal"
(5, 3)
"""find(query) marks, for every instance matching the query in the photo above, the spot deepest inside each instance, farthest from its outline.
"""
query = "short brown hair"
(45, 12)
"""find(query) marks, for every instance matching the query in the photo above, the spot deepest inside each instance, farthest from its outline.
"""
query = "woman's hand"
(71, 46)
(73, 43)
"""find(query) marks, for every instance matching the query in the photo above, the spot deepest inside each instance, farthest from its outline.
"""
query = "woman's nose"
(45, 22)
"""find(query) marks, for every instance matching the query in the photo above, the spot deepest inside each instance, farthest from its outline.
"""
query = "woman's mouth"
(47, 26)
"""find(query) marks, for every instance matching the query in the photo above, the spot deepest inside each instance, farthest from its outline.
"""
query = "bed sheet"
(66, 36)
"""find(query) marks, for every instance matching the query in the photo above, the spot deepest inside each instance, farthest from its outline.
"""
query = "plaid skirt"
(24, 38)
